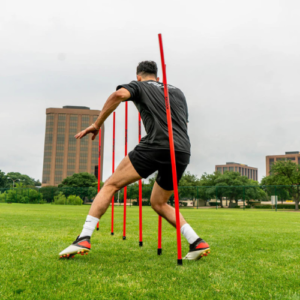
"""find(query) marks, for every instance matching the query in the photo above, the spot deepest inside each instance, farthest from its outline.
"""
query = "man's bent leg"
(159, 199)
(124, 175)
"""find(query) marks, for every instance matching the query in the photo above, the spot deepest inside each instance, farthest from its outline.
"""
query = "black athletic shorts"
(147, 162)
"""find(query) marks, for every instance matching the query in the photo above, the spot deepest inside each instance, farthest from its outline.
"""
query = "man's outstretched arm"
(110, 105)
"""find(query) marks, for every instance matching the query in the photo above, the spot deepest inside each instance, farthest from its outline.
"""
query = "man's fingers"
(80, 134)
(94, 135)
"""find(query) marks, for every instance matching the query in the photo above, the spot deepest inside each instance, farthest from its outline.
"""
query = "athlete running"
(151, 155)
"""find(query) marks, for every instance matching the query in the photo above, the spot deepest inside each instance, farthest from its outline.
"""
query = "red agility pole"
(140, 193)
(172, 150)
(113, 170)
(159, 250)
(125, 188)
(99, 167)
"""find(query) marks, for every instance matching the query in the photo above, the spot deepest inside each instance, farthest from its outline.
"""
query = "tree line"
(283, 181)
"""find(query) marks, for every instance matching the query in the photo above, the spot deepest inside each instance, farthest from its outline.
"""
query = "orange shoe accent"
(202, 245)
(85, 244)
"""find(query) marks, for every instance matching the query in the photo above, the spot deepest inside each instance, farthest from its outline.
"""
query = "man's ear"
(157, 79)
(139, 77)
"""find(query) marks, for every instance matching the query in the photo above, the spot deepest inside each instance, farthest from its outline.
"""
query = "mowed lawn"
(255, 254)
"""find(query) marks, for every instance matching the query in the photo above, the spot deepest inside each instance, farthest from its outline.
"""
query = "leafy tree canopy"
(25, 179)
(80, 180)
(285, 173)
(3, 180)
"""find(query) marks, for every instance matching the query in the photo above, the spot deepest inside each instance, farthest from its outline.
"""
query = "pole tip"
(141, 244)
(179, 262)
(111, 233)
(159, 251)
(124, 237)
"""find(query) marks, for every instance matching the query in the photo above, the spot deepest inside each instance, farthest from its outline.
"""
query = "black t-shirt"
(148, 97)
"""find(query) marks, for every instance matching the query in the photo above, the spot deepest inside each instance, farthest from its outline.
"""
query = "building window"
(224, 169)
(231, 169)
(48, 139)
(60, 139)
(58, 179)
(73, 118)
(61, 117)
(291, 158)
(219, 169)
(70, 173)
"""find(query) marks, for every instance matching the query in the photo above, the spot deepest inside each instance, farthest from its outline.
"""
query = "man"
(151, 155)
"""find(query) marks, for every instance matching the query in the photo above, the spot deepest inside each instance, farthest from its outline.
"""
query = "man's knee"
(111, 185)
(158, 207)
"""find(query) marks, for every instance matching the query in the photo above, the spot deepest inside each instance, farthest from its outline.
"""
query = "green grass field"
(254, 255)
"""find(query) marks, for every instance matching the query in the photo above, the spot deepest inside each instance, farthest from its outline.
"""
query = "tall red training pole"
(172, 150)
(140, 193)
(113, 170)
(99, 166)
(125, 188)
(159, 249)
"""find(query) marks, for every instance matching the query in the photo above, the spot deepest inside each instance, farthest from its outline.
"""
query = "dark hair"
(147, 67)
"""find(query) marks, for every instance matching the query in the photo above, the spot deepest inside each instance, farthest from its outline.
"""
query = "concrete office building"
(63, 154)
(293, 156)
(244, 170)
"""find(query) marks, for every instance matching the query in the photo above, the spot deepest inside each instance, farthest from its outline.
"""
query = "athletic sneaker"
(197, 250)
(81, 245)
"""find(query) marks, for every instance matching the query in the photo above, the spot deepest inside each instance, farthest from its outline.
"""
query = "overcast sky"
(236, 61)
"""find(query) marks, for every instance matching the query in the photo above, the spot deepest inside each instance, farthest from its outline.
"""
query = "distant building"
(244, 170)
(63, 154)
(293, 156)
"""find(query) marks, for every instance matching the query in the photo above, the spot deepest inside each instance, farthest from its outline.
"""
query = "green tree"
(21, 194)
(286, 173)
(80, 180)
(3, 180)
(230, 185)
(48, 192)
(25, 179)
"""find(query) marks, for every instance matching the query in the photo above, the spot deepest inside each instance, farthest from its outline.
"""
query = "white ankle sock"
(89, 226)
(189, 233)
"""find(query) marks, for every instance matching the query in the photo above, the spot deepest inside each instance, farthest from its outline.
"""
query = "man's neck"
(148, 78)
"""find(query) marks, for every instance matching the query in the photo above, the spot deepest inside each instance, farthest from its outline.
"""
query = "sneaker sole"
(196, 255)
(72, 250)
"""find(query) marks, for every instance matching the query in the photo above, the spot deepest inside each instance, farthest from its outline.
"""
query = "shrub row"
(61, 199)
(279, 206)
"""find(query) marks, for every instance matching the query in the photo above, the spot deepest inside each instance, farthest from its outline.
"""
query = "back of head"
(147, 68)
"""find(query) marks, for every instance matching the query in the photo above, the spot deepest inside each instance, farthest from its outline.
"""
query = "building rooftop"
(76, 107)
(292, 152)
(234, 163)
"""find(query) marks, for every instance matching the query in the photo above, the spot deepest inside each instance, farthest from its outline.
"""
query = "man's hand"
(90, 129)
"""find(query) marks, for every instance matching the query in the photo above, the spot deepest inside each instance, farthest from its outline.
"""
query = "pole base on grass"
(159, 251)
(98, 229)
(141, 244)
(179, 262)
(111, 233)
(124, 237)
